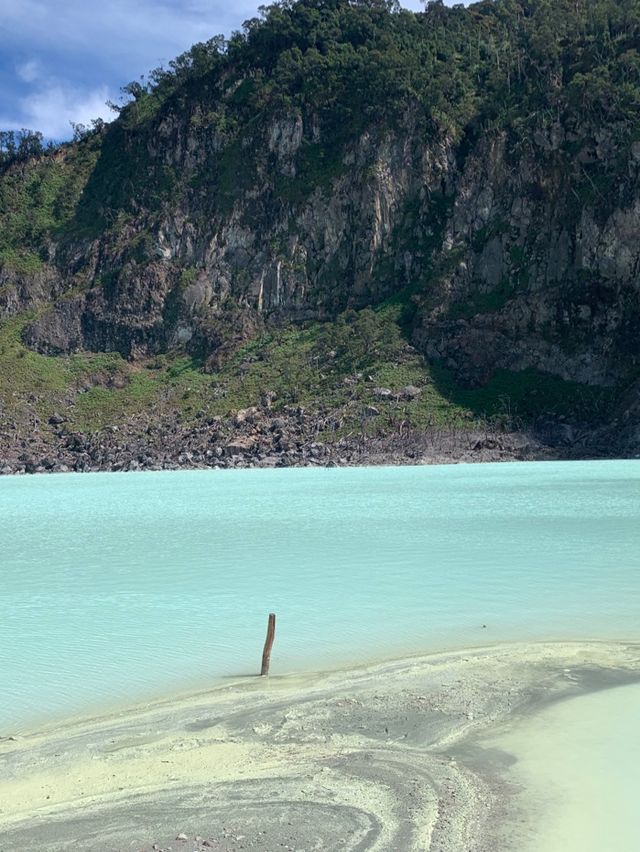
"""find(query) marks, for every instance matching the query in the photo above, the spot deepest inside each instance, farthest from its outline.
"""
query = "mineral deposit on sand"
(387, 757)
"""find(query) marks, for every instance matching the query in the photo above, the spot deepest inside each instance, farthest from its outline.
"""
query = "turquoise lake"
(121, 587)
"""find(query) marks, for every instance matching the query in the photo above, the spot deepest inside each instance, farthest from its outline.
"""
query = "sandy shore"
(391, 757)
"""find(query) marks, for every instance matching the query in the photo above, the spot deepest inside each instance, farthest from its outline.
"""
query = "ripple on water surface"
(121, 586)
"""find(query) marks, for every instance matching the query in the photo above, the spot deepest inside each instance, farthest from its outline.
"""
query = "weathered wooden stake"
(268, 644)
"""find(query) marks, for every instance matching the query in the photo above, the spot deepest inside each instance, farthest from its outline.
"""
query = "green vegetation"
(343, 65)
(194, 138)
(521, 397)
(21, 145)
(330, 369)
(38, 199)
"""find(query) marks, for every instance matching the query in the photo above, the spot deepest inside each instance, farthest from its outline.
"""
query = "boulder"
(410, 392)
(382, 393)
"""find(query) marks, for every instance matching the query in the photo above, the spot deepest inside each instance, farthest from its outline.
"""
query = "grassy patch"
(526, 395)
(38, 200)
(101, 406)
(24, 373)
(331, 369)
(24, 262)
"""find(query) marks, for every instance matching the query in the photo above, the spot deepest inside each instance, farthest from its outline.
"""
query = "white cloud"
(140, 34)
(29, 71)
(51, 109)
(74, 54)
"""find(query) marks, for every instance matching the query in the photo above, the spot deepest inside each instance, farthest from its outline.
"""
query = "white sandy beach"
(415, 754)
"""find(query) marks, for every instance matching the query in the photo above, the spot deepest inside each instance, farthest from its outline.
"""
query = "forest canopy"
(493, 61)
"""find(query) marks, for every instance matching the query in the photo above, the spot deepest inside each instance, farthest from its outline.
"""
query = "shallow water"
(578, 764)
(118, 587)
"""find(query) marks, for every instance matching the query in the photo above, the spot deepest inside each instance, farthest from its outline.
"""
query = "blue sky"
(62, 59)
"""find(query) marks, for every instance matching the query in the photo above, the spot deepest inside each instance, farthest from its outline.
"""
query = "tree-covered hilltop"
(338, 187)
(488, 64)
(499, 64)
(345, 64)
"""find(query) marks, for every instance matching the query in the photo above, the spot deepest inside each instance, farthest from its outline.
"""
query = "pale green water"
(578, 763)
(122, 586)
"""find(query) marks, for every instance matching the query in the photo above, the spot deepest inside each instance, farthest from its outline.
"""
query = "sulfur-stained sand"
(392, 757)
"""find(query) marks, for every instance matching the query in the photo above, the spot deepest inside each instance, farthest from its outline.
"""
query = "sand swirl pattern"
(391, 757)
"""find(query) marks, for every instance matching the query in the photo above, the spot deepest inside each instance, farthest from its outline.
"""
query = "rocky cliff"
(459, 190)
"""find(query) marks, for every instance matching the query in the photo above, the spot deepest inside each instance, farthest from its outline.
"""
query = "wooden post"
(266, 654)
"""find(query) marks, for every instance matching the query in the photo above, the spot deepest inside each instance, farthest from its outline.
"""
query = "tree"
(20, 145)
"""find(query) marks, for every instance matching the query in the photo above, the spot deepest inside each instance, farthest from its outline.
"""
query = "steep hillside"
(381, 231)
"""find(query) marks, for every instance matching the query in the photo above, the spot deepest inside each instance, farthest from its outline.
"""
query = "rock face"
(209, 272)
(541, 280)
(511, 251)
(513, 274)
